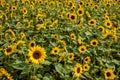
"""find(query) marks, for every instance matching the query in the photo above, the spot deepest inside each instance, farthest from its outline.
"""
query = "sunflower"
(102, 28)
(55, 50)
(40, 1)
(31, 44)
(68, 15)
(14, 8)
(87, 59)
(94, 42)
(87, 14)
(80, 41)
(78, 70)
(24, 10)
(106, 17)
(56, 36)
(96, 7)
(108, 24)
(92, 22)
(80, 21)
(37, 54)
(82, 49)
(80, 3)
(86, 67)
(80, 12)
(72, 35)
(73, 17)
(71, 56)
(22, 34)
(109, 74)
(9, 50)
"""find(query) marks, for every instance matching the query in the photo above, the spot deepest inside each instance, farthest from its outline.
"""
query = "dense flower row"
(60, 39)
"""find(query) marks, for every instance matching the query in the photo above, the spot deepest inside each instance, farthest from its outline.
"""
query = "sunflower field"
(59, 40)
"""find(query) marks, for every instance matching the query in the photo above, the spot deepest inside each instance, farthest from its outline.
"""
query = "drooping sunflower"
(78, 70)
(24, 10)
(31, 44)
(37, 55)
(92, 22)
(71, 56)
(80, 21)
(73, 17)
(82, 49)
(94, 42)
(102, 28)
(80, 41)
(80, 12)
(86, 67)
(55, 50)
(87, 59)
(9, 50)
(109, 75)
(108, 24)
(72, 35)
(68, 15)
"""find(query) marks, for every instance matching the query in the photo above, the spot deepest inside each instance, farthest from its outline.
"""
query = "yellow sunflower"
(86, 67)
(71, 56)
(9, 50)
(55, 50)
(81, 3)
(31, 44)
(78, 70)
(87, 59)
(94, 42)
(73, 17)
(87, 14)
(80, 12)
(24, 10)
(92, 22)
(102, 28)
(80, 21)
(72, 35)
(109, 74)
(80, 41)
(14, 8)
(37, 55)
(108, 24)
(82, 49)
(68, 15)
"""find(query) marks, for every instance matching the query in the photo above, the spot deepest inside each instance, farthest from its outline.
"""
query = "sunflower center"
(94, 43)
(24, 10)
(78, 70)
(37, 54)
(82, 49)
(32, 44)
(72, 36)
(85, 67)
(9, 49)
(72, 17)
(108, 24)
(86, 59)
(108, 74)
(81, 3)
(55, 51)
(80, 12)
(70, 56)
(68, 15)
(92, 22)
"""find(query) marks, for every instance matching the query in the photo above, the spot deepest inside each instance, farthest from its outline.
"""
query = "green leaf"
(46, 78)
(47, 62)
(59, 69)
